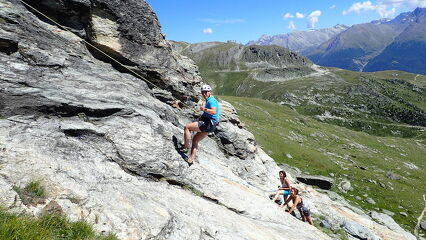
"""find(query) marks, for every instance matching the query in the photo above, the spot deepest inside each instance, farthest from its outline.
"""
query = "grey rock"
(370, 201)
(331, 174)
(358, 231)
(423, 225)
(372, 181)
(382, 185)
(403, 214)
(132, 37)
(325, 224)
(229, 114)
(52, 208)
(319, 181)
(387, 212)
(235, 141)
(393, 176)
(334, 205)
(390, 223)
(358, 198)
(345, 186)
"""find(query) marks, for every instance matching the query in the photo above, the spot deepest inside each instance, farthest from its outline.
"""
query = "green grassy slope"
(384, 104)
(358, 126)
(321, 148)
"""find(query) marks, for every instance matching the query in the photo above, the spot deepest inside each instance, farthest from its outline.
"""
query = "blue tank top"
(212, 102)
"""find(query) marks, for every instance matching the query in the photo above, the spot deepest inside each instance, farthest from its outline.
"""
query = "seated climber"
(284, 190)
(303, 208)
(206, 123)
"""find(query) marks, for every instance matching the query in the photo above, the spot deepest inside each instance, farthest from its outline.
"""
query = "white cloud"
(384, 13)
(332, 6)
(288, 15)
(207, 31)
(385, 8)
(404, 3)
(313, 18)
(359, 7)
(300, 15)
(291, 25)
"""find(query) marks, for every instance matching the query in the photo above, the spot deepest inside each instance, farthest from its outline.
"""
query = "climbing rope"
(108, 56)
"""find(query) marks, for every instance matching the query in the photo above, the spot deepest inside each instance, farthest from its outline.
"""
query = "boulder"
(387, 212)
(325, 224)
(370, 201)
(393, 176)
(320, 181)
(358, 231)
(423, 225)
(345, 186)
(390, 223)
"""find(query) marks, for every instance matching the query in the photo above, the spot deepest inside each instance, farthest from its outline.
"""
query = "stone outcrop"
(132, 37)
(319, 181)
(101, 140)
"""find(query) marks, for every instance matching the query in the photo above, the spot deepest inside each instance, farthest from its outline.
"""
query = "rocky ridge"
(263, 63)
(300, 41)
(101, 140)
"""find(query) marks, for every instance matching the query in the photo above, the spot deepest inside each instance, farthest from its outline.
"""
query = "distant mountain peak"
(381, 21)
(341, 26)
(300, 40)
(419, 11)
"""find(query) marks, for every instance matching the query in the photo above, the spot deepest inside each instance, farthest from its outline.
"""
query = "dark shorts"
(306, 212)
(206, 125)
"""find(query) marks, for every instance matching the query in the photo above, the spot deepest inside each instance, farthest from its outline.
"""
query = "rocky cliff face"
(102, 141)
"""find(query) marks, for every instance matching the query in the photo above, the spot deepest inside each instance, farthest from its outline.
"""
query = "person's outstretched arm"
(286, 202)
(296, 201)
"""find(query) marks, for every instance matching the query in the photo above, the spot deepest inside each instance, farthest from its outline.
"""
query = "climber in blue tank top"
(207, 122)
(211, 103)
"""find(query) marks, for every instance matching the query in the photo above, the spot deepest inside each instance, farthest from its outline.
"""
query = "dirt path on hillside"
(415, 78)
(416, 228)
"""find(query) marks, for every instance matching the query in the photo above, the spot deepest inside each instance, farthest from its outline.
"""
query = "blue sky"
(243, 20)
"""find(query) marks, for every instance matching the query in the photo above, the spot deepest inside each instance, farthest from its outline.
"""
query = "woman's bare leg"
(194, 148)
(309, 220)
(190, 127)
(279, 192)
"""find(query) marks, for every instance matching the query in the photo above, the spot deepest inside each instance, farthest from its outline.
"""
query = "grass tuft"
(48, 227)
(33, 193)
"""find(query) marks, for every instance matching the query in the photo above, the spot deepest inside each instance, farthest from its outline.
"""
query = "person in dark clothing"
(300, 205)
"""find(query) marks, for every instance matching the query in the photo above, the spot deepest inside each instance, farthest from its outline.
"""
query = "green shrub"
(32, 193)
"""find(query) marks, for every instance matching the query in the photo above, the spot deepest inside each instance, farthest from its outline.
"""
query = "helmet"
(206, 88)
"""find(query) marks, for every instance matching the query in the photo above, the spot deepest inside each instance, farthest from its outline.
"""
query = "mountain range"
(300, 41)
(386, 44)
